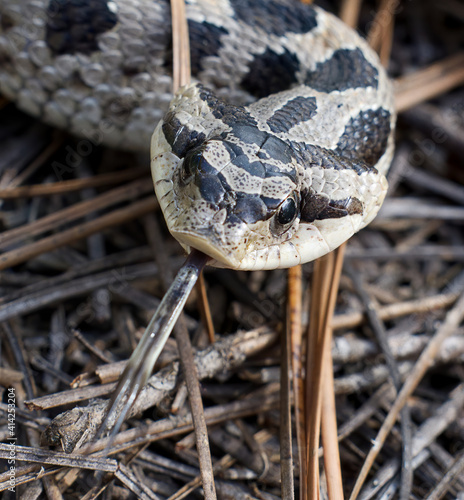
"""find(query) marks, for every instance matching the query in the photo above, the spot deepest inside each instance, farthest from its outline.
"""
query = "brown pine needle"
(329, 432)
(349, 12)
(381, 33)
(286, 456)
(429, 82)
(328, 410)
(205, 311)
(295, 332)
(326, 277)
(180, 45)
(71, 185)
(321, 284)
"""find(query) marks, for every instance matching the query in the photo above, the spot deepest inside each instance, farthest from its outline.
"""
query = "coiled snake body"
(255, 184)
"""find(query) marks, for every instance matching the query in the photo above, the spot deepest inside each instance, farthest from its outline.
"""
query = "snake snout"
(212, 236)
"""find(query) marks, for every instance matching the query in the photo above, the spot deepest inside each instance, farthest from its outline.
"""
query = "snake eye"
(286, 215)
(288, 210)
(190, 165)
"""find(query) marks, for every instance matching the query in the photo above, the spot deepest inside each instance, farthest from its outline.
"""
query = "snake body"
(274, 156)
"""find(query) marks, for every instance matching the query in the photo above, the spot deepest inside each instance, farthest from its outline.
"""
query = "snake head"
(231, 188)
(227, 189)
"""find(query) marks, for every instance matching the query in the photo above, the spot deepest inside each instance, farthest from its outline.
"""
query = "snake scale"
(274, 156)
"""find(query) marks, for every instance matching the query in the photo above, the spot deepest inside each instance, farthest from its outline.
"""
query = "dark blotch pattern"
(275, 148)
(317, 207)
(205, 40)
(271, 147)
(277, 17)
(211, 189)
(346, 69)
(311, 206)
(296, 111)
(254, 168)
(310, 155)
(366, 136)
(250, 208)
(248, 134)
(233, 149)
(271, 72)
(226, 112)
(342, 208)
(73, 25)
(181, 138)
(240, 206)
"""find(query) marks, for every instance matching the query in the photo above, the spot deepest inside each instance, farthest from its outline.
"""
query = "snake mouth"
(212, 247)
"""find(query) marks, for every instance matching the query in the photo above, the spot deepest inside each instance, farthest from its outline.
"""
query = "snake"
(273, 156)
